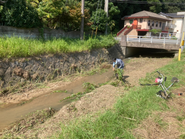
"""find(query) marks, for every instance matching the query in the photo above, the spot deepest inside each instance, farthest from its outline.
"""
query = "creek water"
(12, 113)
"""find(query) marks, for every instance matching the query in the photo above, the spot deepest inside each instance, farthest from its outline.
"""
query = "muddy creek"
(14, 112)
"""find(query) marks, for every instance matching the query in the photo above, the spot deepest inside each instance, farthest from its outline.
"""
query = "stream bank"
(18, 72)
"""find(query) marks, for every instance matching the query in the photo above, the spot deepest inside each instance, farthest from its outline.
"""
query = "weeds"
(119, 74)
(115, 84)
(20, 47)
(60, 91)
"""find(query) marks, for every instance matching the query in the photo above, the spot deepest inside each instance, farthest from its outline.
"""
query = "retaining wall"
(19, 71)
(36, 33)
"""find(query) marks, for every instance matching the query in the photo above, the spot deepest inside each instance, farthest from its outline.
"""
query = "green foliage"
(89, 87)
(99, 21)
(172, 8)
(19, 14)
(60, 13)
(155, 31)
(19, 47)
(99, 18)
(119, 74)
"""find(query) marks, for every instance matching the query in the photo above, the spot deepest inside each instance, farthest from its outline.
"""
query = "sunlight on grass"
(128, 112)
(20, 47)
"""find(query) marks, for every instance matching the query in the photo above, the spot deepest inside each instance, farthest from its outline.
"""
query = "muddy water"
(13, 113)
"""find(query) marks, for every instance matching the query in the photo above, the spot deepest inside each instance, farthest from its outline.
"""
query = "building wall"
(133, 33)
(178, 26)
(127, 23)
(155, 22)
(144, 24)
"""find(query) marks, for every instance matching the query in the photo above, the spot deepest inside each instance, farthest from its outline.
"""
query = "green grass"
(20, 47)
(128, 112)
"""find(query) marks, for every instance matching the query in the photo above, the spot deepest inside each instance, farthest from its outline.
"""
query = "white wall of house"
(178, 26)
(142, 23)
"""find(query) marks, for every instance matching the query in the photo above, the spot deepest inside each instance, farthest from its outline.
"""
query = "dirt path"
(138, 67)
(100, 99)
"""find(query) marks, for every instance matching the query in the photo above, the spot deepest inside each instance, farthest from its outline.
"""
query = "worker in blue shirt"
(118, 62)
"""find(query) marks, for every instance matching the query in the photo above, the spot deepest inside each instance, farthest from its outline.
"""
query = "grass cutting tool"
(165, 93)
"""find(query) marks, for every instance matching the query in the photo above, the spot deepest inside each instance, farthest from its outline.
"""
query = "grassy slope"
(137, 105)
(19, 47)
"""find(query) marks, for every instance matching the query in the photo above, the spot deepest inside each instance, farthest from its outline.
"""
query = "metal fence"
(153, 39)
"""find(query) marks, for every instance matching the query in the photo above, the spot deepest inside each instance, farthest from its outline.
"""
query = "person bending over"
(118, 62)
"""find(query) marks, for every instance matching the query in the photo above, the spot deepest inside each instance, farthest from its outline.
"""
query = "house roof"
(145, 14)
(172, 15)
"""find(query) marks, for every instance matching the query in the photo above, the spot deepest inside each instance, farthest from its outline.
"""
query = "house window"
(152, 23)
(148, 22)
(156, 24)
(131, 21)
(159, 24)
(141, 20)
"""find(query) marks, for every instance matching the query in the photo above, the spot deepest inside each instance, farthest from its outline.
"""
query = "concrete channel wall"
(36, 33)
(15, 72)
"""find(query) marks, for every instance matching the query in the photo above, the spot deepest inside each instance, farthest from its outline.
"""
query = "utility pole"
(82, 21)
(106, 9)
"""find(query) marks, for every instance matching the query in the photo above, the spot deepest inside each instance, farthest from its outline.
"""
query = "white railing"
(153, 39)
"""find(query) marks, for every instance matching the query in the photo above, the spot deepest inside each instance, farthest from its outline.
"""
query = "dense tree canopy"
(19, 14)
(66, 14)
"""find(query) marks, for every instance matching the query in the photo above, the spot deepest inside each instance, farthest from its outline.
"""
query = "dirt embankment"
(135, 69)
(165, 125)
(99, 100)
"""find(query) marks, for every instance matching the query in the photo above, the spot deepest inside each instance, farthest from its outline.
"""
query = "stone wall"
(36, 33)
(18, 71)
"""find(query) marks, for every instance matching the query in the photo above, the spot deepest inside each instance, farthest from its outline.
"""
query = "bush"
(155, 31)
(18, 14)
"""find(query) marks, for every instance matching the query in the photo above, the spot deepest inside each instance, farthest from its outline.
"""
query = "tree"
(99, 18)
(60, 13)
(19, 14)
(173, 7)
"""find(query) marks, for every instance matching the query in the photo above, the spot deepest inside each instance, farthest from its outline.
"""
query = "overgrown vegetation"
(19, 47)
(128, 112)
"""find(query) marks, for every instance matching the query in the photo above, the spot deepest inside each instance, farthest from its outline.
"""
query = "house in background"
(176, 23)
(140, 23)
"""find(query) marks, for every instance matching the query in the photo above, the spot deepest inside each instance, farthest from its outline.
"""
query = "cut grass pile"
(20, 47)
(129, 110)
